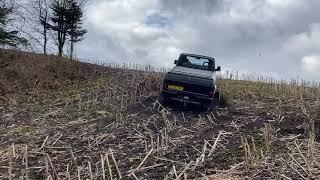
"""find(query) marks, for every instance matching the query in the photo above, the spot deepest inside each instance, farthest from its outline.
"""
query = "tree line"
(57, 21)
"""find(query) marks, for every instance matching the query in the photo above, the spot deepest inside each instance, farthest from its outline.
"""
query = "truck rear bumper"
(188, 97)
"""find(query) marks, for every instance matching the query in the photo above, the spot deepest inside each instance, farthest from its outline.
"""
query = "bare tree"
(44, 11)
(32, 19)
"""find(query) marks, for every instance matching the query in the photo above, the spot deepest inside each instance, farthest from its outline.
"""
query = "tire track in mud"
(194, 126)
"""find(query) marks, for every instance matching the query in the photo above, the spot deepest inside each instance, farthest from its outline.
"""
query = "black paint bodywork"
(197, 89)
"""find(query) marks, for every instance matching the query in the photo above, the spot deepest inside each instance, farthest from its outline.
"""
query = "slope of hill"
(63, 119)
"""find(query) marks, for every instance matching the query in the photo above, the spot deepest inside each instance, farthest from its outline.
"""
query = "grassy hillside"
(65, 119)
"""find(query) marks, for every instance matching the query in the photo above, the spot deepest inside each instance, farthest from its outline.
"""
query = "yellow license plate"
(174, 87)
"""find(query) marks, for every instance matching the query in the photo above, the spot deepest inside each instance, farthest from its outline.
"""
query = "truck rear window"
(196, 62)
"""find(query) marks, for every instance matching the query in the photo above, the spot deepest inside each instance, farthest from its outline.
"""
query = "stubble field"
(70, 120)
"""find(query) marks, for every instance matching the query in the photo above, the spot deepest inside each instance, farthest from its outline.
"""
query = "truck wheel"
(163, 99)
(217, 96)
(206, 106)
(221, 100)
(216, 99)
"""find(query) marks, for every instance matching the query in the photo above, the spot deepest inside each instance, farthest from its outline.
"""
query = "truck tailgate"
(189, 83)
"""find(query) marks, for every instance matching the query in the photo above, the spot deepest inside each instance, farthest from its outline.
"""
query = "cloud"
(302, 50)
(250, 35)
(157, 20)
(134, 26)
(311, 63)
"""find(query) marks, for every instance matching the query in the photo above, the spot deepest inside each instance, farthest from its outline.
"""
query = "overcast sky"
(267, 36)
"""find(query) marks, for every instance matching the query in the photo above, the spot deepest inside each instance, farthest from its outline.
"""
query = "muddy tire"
(216, 99)
(221, 100)
(207, 106)
(163, 99)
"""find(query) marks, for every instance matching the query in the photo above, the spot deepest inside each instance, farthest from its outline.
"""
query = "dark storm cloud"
(253, 35)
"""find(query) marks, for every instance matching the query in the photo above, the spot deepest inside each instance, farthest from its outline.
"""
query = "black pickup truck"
(192, 80)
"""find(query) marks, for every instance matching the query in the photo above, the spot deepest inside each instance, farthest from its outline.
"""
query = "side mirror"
(175, 62)
(218, 68)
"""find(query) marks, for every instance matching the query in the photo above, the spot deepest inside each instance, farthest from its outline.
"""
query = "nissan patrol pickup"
(192, 80)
